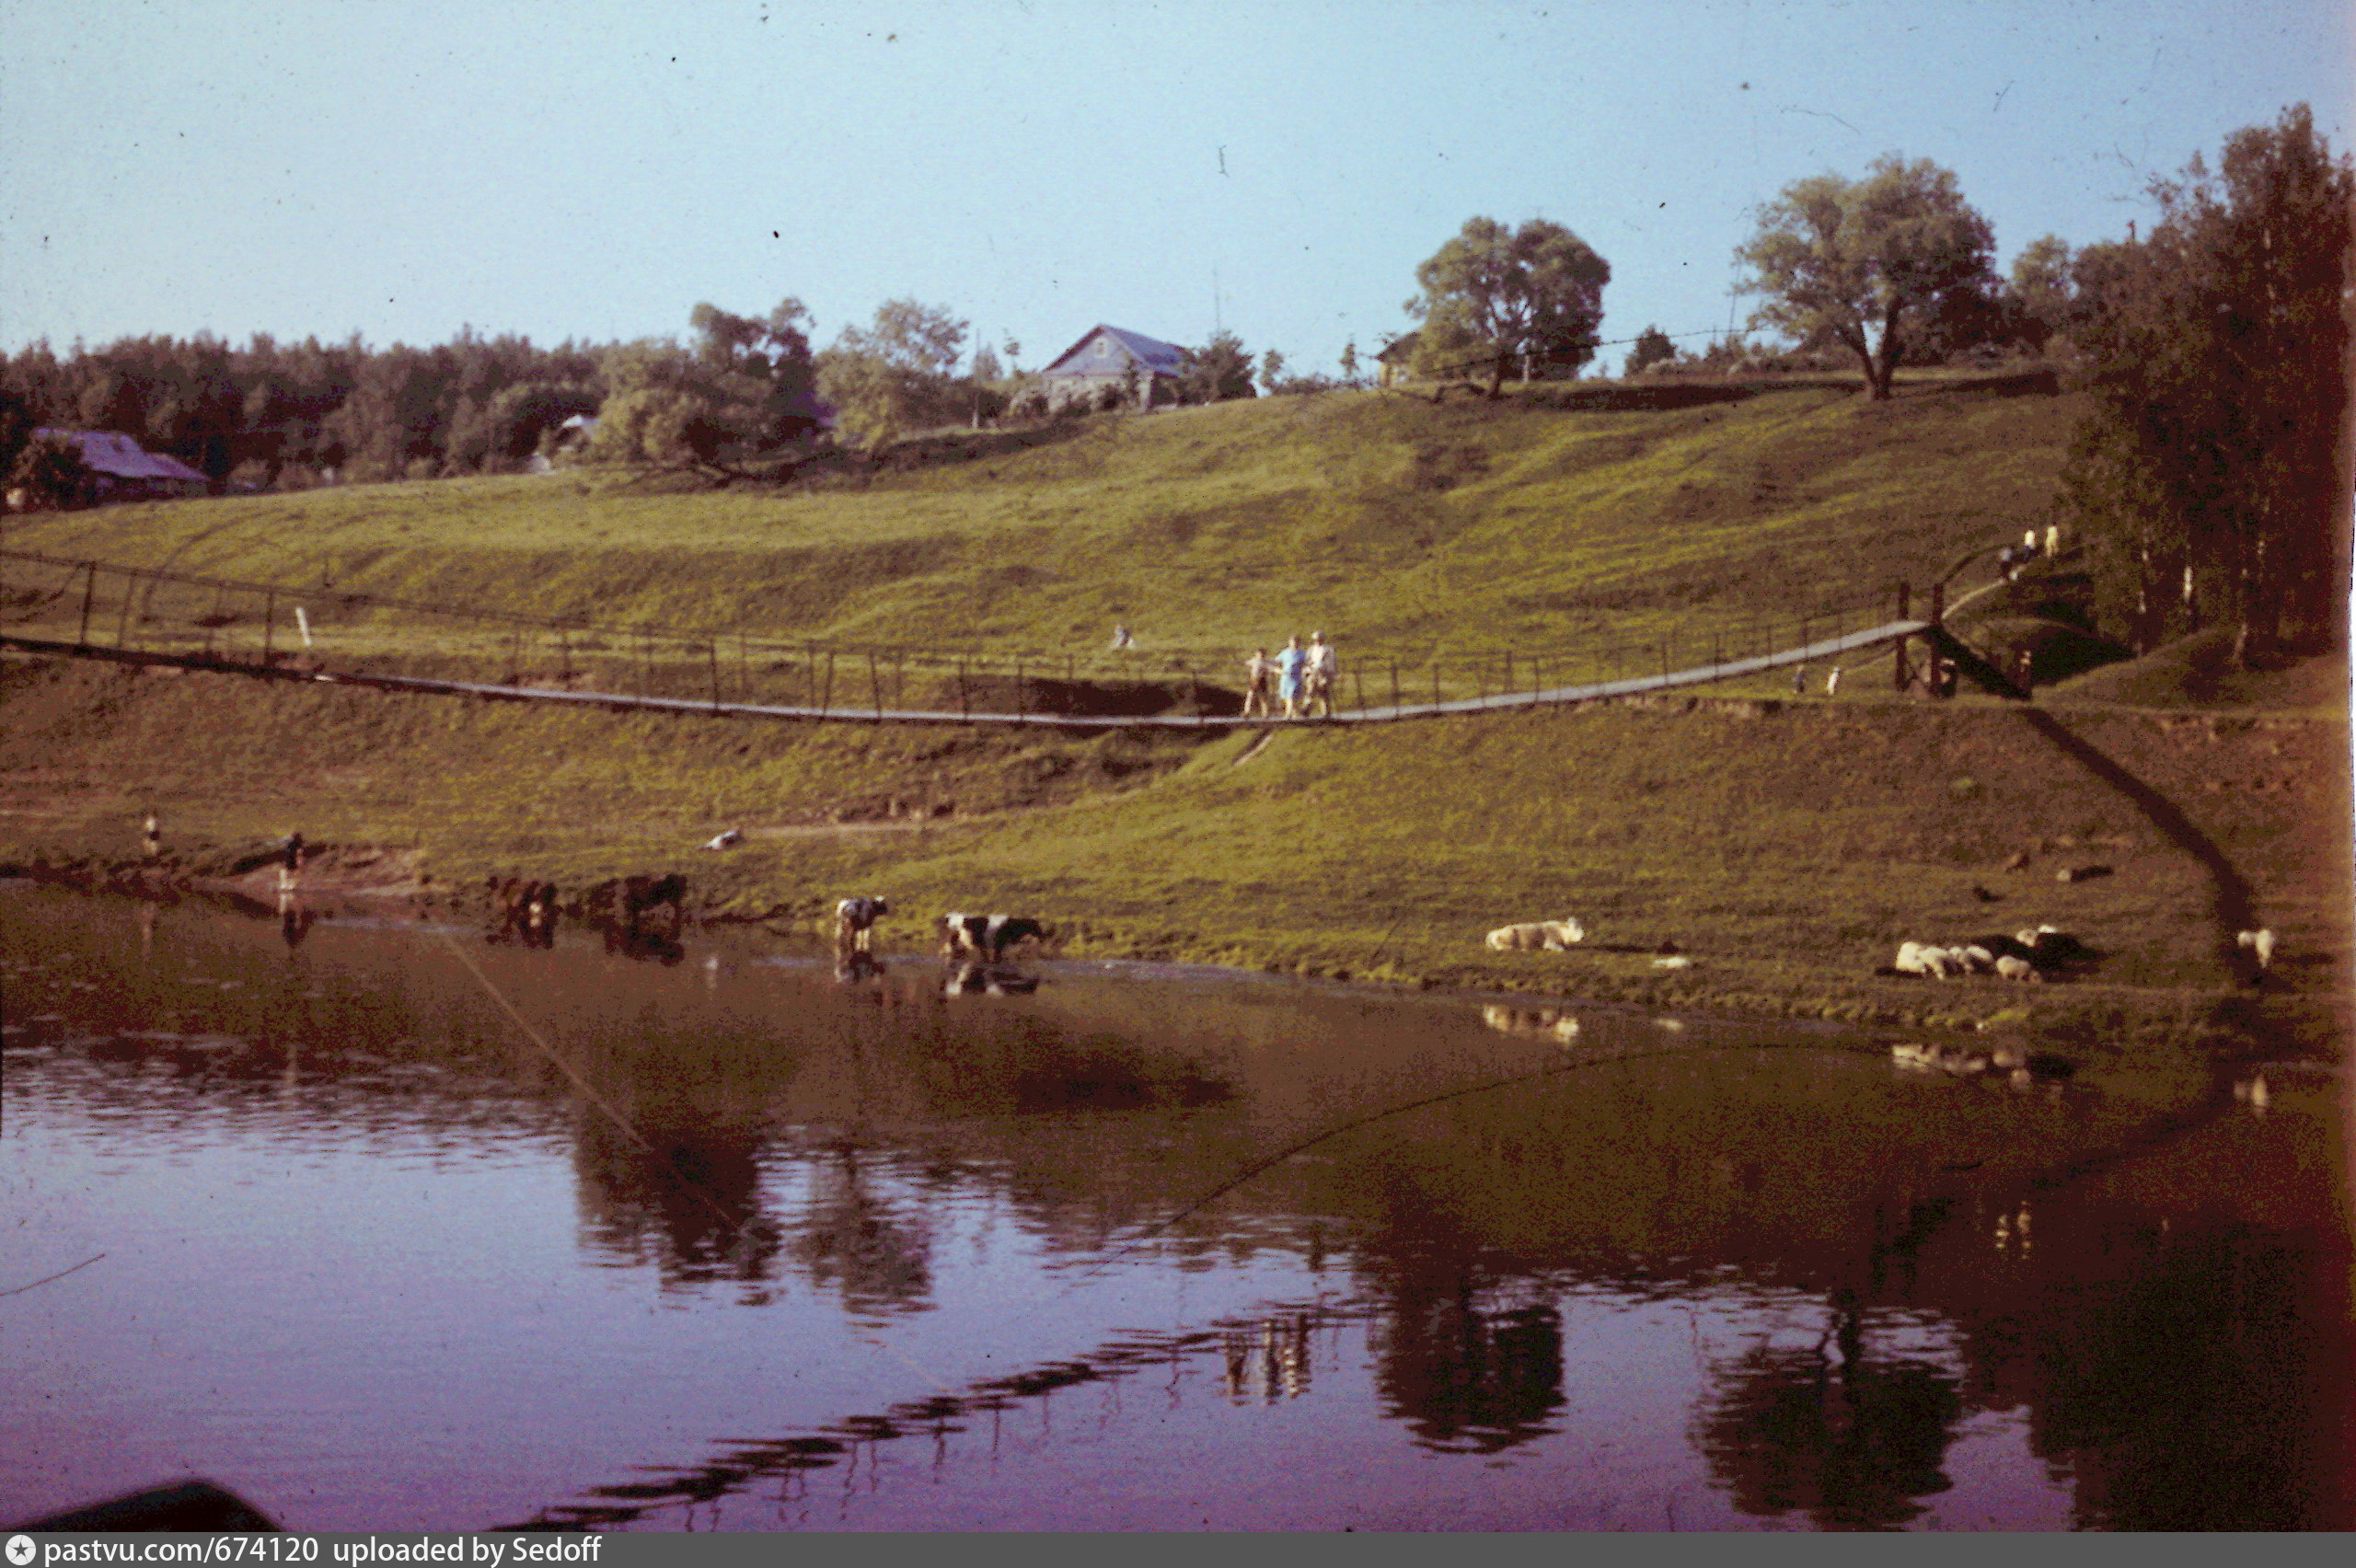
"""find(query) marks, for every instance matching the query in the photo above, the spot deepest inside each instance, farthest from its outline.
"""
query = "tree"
(1652, 347)
(898, 376)
(758, 373)
(2040, 290)
(2210, 477)
(1350, 364)
(1492, 295)
(1866, 262)
(49, 472)
(1272, 370)
(1219, 370)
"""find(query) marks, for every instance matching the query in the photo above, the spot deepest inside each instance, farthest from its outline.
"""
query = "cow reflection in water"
(976, 979)
(1270, 1364)
(644, 947)
(295, 918)
(1851, 1437)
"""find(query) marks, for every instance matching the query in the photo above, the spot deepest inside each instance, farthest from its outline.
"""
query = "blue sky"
(592, 171)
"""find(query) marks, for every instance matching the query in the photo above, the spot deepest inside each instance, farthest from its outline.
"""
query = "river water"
(393, 1228)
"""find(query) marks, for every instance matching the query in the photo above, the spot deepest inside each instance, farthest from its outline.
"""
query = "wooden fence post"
(268, 625)
(712, 648)
(827, 699)
(1394, 687)
(1900, 676)
(89, 589)
(1022, 698)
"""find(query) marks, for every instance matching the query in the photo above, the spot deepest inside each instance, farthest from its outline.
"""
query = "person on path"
(1291, 663)
(1324, 668)
(1258, 670)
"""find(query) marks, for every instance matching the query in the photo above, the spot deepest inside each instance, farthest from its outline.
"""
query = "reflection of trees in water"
(687, 1198)
(2203, 1391)
(1466, 1376)
(1850, 1437)
(874, 1251)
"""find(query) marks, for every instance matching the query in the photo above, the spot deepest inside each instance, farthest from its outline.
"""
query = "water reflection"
(1849, 1433)
(1402, 1242)
(1469, 1377)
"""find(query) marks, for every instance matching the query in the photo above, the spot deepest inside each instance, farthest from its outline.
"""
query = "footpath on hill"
(1781, 851)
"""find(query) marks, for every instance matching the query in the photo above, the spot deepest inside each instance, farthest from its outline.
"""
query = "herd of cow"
(632, 912)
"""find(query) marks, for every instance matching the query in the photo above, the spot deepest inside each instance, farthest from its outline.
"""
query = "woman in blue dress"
(1291, 662)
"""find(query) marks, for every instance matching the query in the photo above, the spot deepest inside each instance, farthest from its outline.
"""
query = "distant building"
(1108, 356)
(121, 469)
(1397, 358)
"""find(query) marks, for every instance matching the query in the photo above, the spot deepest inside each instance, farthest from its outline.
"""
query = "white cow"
(1548, 936)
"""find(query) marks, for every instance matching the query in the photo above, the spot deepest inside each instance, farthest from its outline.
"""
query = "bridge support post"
(1900, 676)
(1939, 663)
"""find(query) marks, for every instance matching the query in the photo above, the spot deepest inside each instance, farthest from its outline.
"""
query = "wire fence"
(155, 614)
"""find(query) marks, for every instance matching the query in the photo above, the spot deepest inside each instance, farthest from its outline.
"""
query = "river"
(384, 1226)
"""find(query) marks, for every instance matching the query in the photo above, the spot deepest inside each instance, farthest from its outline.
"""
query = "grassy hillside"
(1399, 528)
(1787, 849)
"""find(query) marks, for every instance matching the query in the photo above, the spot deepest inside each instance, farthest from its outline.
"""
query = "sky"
(591, 170)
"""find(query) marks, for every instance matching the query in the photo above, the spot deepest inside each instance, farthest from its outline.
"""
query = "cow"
(623, 900)
(1550, 936)
(525, 909)
(986, 937)
(855, 923)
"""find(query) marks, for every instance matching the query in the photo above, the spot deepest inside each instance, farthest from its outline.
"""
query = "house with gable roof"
(122, 470)
(1107, 356)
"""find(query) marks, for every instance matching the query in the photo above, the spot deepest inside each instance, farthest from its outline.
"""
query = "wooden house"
(1396, 359)
(1113, 356)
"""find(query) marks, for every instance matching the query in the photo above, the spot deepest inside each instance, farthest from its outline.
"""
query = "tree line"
(2210, 479)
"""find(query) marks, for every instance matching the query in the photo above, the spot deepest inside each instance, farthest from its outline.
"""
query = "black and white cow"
(855, 923)
(986, 936)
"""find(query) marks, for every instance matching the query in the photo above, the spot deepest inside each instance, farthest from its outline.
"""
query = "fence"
(152, 616)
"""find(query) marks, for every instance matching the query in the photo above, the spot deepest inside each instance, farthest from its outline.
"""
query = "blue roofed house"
(1107, 356)
(121, 469)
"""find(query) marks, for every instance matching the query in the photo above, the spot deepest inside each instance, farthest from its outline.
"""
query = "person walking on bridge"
(1324, 668)
(1291, 663)
(1258, 670)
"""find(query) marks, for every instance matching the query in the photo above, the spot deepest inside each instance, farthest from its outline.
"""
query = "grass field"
(1400, 528)
(1785, 848)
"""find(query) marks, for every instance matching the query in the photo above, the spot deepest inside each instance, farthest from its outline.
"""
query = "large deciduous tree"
(1493, 296)
(1867, 262)
(898, 376)
(2211, 477)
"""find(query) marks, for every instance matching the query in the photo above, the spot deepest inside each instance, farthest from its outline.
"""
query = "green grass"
(1401, 528)
(1787, 847)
